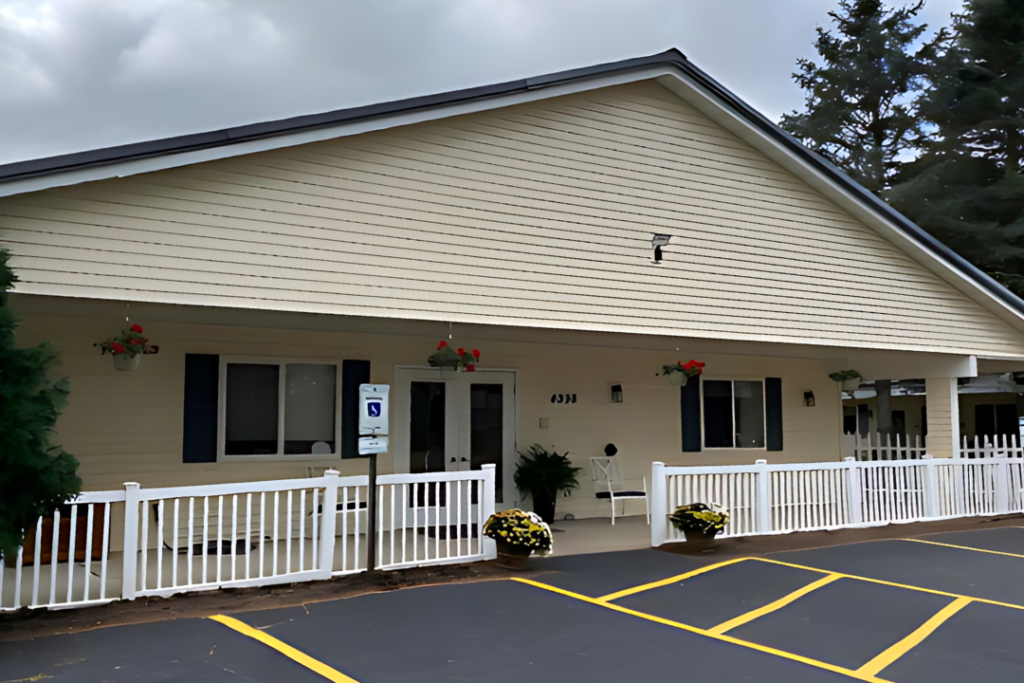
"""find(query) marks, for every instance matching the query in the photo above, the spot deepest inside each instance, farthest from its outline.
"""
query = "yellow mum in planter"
(519, 528)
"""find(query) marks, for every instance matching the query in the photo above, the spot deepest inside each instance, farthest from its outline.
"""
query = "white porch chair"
(608, 485)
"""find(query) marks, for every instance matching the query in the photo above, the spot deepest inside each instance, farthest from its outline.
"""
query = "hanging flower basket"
(849, 380)
(450, 360)
(680, 373)
(127, 348)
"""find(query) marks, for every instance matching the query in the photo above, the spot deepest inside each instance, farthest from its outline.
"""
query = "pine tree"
(967, 190)
(861, 100)
(35, 476)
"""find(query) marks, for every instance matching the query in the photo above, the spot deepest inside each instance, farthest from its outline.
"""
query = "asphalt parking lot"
(938, 609)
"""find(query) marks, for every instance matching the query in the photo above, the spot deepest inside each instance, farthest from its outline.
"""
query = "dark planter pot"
(44, 554)
(512, 556)
(699, 543)
(544, 505)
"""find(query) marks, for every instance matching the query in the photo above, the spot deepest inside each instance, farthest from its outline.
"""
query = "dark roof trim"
(256, 131)
(670, 58)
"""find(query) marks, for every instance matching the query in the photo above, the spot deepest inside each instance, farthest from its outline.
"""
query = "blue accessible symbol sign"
(373, 408)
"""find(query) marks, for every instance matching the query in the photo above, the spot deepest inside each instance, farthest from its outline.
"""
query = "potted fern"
(544, 474)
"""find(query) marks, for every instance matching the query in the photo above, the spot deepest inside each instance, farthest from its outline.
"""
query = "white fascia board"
(698, 97)
(341, 130)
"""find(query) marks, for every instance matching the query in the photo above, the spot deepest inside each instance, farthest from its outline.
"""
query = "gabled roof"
(33, 175)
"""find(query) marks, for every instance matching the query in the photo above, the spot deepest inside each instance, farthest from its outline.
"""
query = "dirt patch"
(763, 545)
(28, 624)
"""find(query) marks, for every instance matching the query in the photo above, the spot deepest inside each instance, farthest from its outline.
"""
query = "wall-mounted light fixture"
(659, 241)
(616, 393)
(809, 399)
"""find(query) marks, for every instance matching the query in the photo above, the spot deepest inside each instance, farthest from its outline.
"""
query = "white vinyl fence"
(881, 446)
(120, 545)
(997, 446)
(778, 499)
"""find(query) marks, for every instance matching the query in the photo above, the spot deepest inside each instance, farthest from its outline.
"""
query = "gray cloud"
(82, 74)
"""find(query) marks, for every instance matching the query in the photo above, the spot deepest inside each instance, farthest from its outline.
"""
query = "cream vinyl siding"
(127, 426)
(536, 215)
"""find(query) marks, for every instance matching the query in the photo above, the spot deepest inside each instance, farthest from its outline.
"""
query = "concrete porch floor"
(597, 535)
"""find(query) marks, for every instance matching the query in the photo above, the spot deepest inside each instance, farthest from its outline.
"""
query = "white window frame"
(281, 362)
(764, 413)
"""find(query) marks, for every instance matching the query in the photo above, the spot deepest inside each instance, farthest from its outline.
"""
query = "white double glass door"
(456, 423)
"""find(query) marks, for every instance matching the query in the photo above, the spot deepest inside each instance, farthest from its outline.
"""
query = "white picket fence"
(997, 446)
(880, 446)
(194, 538)
(778, 499)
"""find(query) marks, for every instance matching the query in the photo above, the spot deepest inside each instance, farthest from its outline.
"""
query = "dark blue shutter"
(689, 408)
(353, 373)
(773, 413)
(199, 439)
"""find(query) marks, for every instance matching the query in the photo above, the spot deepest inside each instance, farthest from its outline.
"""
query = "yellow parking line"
(875, 666)
(285, 649)
(890, 583)
(670, 580)
(777, 605)
(717, 636)
(962, 547)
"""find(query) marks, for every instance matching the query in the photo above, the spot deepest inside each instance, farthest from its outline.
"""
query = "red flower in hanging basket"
(129, 342)
(690, 369)
(447, 357)
(693, 368)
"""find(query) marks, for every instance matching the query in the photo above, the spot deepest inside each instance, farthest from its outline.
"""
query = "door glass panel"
(309, 408)
(486, 438)
(426, 436)
(251, 411)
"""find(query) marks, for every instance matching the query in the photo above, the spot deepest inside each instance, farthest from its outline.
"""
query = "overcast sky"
(83, 74)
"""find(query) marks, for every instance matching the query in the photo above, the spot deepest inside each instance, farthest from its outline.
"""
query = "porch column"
(883, 394)
(943, 417)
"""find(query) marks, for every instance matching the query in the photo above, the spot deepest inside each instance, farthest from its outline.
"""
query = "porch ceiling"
(872, 363)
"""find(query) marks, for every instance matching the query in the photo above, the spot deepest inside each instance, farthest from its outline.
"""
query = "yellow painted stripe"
(699, 631)
(668, 581)
(962, 547)
(890, 583)
(777, 605)
(875, 666)
(285, 649)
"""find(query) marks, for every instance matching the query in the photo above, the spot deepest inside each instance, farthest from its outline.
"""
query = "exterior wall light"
(809, 399)
(659, 241)
(616, 393)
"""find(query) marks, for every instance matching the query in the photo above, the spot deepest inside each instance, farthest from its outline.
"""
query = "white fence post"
(327, 523)
(659, 505)
(931, 487)
(853, 491)
(762, 497)
(130, 558)
(1001, 481)
(490, 548)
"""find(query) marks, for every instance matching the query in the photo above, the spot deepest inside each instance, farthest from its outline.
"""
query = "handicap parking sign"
(373, 408)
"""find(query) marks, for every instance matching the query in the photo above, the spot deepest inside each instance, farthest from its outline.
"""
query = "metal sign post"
(373, 429)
